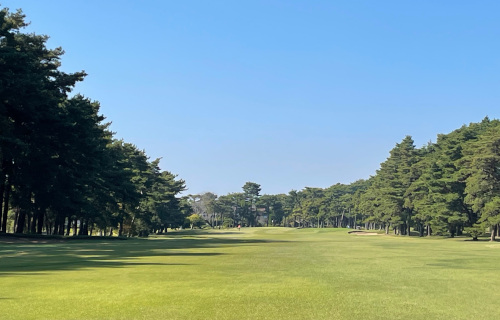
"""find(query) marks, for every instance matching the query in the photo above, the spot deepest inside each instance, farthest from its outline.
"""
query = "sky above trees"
(288, 94)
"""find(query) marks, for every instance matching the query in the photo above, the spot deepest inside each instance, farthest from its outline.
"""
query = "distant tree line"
(61, 170)
(310, 207)
(448, 187)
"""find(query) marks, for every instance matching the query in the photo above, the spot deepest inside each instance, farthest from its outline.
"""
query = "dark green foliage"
(388, 189)
(251, 191)
(481, 167)
(272, 208)
(60, 168)
(475, 232)
(443, 188)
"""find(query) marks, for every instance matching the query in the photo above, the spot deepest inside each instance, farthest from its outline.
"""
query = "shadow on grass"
(26, 258)
(485, 238)
(195, 232)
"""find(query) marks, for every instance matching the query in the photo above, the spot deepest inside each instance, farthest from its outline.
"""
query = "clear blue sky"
(287, 94)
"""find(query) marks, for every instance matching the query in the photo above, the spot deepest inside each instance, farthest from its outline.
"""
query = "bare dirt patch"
(363, 233)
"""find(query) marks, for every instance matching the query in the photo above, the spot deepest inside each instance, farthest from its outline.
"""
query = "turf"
(259, 273)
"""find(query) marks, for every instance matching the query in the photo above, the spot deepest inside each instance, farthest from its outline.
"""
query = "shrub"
(475, 232)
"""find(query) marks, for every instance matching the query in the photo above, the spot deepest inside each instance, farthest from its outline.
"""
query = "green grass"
(259, 273)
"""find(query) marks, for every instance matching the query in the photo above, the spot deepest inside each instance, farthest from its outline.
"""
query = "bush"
(475, 232)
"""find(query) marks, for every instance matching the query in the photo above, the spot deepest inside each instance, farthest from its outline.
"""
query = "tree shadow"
(34, 258)
(196, 232)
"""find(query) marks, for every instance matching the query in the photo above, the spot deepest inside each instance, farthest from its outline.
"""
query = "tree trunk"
(2, 191)
(5, 194)
(62, 220)
(16, 214)
(120, 231)
(5, 205)
(21, 221)
(32, 228)
(59, 225)
(131, 226)
(41, 215)
(420, 229)
(494, 230)
(68, 226)
(28, 220)
(56, 226)
(84, 227)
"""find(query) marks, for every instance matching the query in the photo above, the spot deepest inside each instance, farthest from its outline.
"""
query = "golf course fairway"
(255, 273)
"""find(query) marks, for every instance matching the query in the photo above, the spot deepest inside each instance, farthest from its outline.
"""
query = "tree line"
(448, 187)
(61, 169)
(310, 207)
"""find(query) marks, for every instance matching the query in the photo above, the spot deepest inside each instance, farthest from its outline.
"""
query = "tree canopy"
(61, 169)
